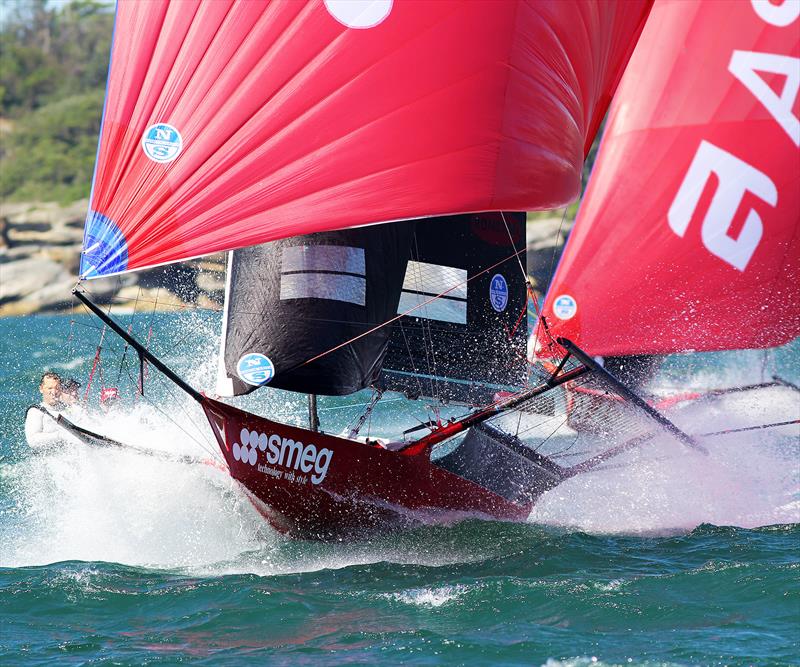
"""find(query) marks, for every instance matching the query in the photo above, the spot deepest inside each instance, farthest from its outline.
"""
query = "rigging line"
(88, 325)
(551, 270)
(130, 331)
(71, 338)
(555, 430)
(425, 324)
(143, 367)
(355, 428)
(440, 330)
(411, 357)
(351, 423)
(521, 357)
(399, 315)
(177, 401)
(94, 364)
(541, 323)
(171, 349)
(350, 406)
(369, 423)
(562, 452)
(514, 246)
(206, 446)
(519, 424)
(182, 407)
(175, 307)
(522, 410)
(203, 445)
(748, 428)
(517, 323)
(541, 423)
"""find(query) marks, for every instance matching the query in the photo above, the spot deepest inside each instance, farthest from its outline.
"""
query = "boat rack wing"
(574, 418)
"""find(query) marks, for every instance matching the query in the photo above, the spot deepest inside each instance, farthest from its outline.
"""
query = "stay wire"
(514, 247)
(541, 323)
(130, 331)
(427, 334)
(172, 395)
(411, 357)
(203, 443)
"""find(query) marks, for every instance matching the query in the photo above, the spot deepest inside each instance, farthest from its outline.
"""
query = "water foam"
(749, 479)
(144, 508)
(430, 597)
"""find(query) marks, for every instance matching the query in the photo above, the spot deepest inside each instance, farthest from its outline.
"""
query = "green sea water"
(112, 557)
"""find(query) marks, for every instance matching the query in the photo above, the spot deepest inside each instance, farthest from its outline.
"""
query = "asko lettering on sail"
(735, 177)
(688, 236)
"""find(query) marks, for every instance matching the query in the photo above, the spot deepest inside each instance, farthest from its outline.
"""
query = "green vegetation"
(53, 64)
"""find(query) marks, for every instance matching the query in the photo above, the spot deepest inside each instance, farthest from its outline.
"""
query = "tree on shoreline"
(53, 65)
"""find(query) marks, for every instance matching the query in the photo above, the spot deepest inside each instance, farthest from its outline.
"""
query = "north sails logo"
(284, 453)
(162, 143)
(498, 292)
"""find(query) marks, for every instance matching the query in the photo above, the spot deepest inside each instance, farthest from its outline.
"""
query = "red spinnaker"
(230, 124)
(689, 235)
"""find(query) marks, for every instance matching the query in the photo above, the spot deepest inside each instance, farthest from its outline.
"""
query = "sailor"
(70, 397)
(109, 400)
(41, 427)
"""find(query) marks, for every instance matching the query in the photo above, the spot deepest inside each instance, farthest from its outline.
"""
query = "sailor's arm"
(35, 433)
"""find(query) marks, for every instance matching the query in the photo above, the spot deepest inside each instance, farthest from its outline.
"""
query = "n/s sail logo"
(255, 369)
(162, 143)
(498, 293)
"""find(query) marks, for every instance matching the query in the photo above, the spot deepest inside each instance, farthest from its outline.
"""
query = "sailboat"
(688, 237)
(367, 163)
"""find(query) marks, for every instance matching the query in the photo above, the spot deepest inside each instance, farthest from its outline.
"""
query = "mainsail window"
(336, 273)
(443, 309)
(335, 258)
(424, 281)
(335, 287)
(459, 347)
(315, 296)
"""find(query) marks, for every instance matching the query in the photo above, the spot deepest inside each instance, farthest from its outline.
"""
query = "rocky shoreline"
(40, 245)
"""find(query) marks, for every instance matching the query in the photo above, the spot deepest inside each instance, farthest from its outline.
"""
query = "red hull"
(317, 486)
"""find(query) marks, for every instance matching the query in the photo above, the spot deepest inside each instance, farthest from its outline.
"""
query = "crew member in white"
(41, 428)
(70, 398)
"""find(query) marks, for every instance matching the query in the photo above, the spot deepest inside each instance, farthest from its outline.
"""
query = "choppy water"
(118, 558)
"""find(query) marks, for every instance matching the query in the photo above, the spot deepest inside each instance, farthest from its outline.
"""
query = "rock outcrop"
(40, 246)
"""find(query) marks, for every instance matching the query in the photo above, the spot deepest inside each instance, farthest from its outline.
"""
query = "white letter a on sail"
(736, 177)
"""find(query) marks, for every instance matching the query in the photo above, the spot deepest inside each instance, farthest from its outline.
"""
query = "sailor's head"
(109, 398)
(70, 390)
(50, 388)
